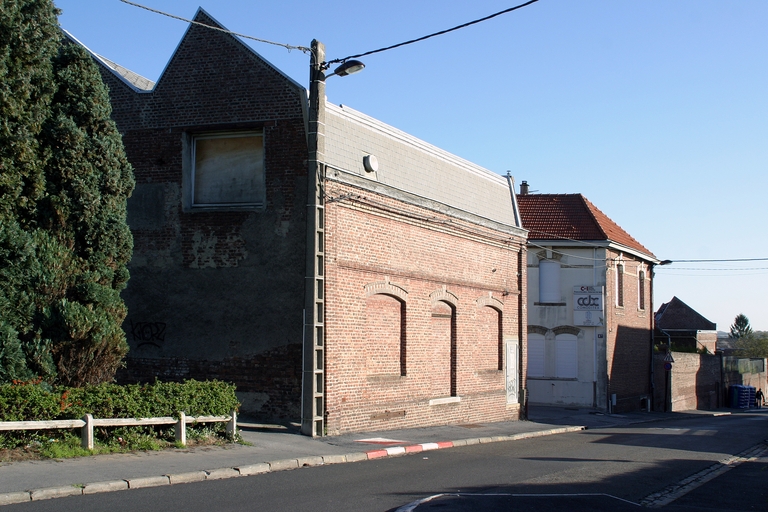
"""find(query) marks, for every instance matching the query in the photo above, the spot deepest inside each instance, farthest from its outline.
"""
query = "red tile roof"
(571, 217)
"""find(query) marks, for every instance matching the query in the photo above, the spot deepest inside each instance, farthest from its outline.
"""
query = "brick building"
(680, 327)
(590, 311)
(417, 255)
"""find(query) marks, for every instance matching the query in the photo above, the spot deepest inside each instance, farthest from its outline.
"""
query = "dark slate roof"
(571, 217)
(676, 314)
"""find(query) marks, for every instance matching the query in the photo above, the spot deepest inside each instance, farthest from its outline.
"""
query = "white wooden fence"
(88, 422)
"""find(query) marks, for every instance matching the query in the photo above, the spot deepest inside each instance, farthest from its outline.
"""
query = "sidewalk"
(276, 448)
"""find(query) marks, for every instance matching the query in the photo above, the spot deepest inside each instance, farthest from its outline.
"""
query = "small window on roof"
(227, 170)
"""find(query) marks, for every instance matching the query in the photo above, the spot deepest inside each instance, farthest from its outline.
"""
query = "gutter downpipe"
(653, 342)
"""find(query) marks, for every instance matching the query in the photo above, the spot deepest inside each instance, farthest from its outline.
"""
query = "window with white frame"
(227, 170)
(641, 290)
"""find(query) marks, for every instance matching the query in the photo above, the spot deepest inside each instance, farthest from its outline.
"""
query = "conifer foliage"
(64, 183)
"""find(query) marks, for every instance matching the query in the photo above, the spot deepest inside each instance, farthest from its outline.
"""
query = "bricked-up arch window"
(225, 170)
(385, 335)
(443, 357)
(620, 285)
(490, 353)
(641, 290)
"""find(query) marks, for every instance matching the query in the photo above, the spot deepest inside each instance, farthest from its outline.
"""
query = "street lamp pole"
(313, 371)
(313, 366)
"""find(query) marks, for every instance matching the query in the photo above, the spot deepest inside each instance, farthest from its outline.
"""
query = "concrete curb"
(260, 468)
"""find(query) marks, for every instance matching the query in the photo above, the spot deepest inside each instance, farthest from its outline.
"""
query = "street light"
(349, 67)
(313, 366)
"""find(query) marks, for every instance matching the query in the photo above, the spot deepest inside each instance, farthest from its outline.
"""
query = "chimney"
(524, 188)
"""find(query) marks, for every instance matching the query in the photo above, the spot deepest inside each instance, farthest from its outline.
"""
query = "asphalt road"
(682, 465)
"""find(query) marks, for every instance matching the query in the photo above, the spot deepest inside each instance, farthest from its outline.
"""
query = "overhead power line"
(708, 261)
(304, 49)
(463, 25)
(289, 47)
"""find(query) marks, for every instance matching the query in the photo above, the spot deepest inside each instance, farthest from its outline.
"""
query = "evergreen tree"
(88, 183)
(740, 327)
(28, 41)
(64, 241)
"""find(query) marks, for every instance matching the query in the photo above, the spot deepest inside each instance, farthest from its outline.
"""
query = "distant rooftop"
(676, 314)
(135, 79)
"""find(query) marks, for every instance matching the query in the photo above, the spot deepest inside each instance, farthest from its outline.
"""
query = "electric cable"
(464, 25)
(289, 47)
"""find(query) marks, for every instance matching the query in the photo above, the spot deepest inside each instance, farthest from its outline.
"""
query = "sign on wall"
(512, 369)
(588, 305)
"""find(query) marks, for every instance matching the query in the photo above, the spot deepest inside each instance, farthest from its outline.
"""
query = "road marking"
(410, 507)
(683, 487)
(379, 440)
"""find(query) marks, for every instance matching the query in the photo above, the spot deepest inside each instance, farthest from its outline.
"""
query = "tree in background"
(753, 345)
(740, 327)
(65, 251)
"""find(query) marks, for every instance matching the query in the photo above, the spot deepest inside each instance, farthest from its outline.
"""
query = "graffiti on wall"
(148, 333)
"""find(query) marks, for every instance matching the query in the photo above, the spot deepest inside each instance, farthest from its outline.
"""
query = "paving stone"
(148, 481)
(55, 492)
(221, 473)
(98, 487)
(185, 478)
(253, 469)
(9, 498)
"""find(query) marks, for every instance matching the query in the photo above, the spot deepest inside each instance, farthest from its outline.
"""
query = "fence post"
(86, 432)
(181, 429)
(232, 426)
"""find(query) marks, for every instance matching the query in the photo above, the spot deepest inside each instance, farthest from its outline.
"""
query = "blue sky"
(656, 111)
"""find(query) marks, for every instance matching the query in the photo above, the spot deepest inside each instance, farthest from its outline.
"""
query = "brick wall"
(693, 383)
(457, 284)
(216, 294)
(628, 333)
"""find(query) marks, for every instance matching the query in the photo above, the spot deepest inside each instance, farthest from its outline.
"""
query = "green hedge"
(38, 402)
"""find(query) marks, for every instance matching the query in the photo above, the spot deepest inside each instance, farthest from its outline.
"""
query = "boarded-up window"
(228, 170)
(536, 350)
(566, 356)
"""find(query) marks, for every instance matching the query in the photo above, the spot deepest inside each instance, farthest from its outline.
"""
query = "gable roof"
(571, 217)
(201, 18)
(410, 169)
(676, 314)
(408, 164)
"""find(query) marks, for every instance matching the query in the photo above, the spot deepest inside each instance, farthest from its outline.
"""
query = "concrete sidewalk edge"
(10, 498)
